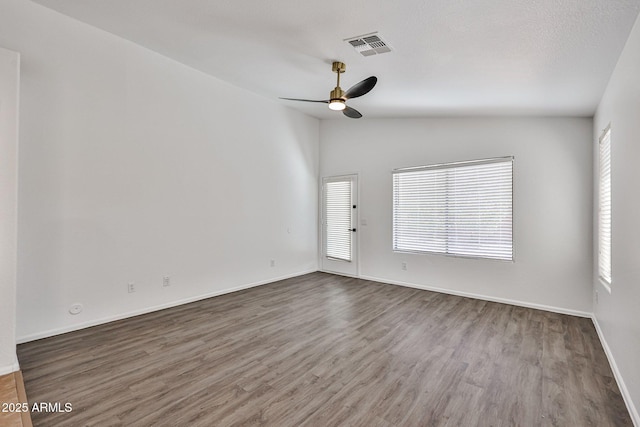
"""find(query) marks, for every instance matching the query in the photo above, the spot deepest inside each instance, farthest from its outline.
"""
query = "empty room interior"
(218, 213)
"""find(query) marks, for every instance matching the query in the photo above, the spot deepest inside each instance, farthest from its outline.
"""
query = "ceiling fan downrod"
(336, 97)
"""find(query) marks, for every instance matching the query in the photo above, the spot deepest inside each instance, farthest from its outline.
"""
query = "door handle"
(352, 229)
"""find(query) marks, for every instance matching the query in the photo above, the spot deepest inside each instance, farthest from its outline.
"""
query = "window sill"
(605, 284)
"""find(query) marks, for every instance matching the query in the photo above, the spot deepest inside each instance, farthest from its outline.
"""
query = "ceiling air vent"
(369, 44)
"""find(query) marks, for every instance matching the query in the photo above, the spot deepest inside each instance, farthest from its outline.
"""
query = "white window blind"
(604, 208)
(462, 209)
(337, 218)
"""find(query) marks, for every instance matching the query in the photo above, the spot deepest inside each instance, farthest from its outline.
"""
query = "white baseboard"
(553, 309)
(7, 369)
(353, 276)
(633, 411)
(88, 324)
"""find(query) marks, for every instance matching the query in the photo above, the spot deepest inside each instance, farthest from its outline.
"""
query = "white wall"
(134, 166)
(552, 202)
(618, 314)
(9, 89)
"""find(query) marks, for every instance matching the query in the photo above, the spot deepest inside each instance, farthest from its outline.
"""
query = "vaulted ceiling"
(449, 57)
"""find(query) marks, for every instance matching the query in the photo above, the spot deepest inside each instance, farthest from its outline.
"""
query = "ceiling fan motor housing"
(337, 93)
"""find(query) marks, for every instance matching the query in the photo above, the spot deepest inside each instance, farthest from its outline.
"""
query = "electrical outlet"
(404, 266)
(75, 309)
(273, 263)
(166, 281)
(131, 287)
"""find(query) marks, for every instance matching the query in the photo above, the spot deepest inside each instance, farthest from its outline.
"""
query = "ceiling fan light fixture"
(337, 104)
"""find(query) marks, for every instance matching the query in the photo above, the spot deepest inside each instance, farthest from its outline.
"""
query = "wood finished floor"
(323, 350)
(12, 394)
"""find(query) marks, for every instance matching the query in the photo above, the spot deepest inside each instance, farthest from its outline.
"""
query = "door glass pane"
(338, 220)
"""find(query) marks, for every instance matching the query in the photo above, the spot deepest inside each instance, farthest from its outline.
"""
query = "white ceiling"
(450, 57)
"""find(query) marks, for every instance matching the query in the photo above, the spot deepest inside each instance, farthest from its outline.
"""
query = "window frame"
(452, 165)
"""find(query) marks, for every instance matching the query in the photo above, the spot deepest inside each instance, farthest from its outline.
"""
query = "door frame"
(355, 222)
(9, 129)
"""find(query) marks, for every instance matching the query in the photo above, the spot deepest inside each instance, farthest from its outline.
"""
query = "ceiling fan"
(338, 98)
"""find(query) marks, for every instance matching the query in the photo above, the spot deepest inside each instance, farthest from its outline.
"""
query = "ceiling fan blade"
(352, 113)
(361, 88)
(307, 100)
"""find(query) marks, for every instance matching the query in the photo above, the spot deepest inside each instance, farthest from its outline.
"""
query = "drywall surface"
(9, 99)
(552, 202)
(134, 167)
(617, 313)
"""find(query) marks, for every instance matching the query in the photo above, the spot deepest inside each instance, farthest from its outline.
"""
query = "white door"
(339, 220)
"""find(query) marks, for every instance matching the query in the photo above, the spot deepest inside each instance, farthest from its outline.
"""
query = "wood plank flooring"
(12, 394)
(324, 350)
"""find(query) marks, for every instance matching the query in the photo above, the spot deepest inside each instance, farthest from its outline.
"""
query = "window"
(338, 218)
(604, 208)
(463, 209)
